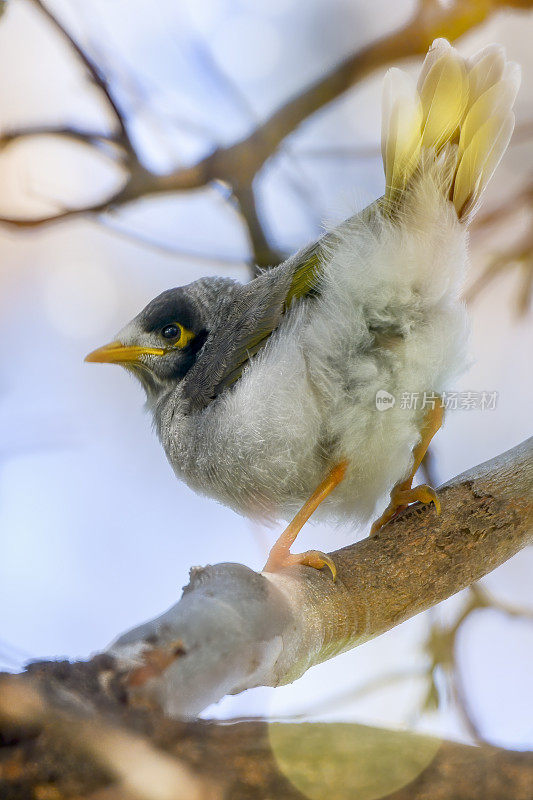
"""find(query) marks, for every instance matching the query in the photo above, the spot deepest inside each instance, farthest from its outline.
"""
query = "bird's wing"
(304, 279)
(254, 314)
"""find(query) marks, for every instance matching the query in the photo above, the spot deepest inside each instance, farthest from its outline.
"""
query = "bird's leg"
(403, 493)
(280, 555)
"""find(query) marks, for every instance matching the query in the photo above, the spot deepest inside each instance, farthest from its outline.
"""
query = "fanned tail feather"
(458, 117)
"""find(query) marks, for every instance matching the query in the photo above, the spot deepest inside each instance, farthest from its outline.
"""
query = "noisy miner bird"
(282, 396)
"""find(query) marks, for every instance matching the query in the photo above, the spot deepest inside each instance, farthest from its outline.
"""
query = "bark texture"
(234, 628)
(101, 729)
(67, 735)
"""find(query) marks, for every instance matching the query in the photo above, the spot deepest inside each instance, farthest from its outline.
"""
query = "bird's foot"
(401, 498)
(279, 558)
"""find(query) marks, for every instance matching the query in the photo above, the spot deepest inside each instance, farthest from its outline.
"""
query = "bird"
(292, 395)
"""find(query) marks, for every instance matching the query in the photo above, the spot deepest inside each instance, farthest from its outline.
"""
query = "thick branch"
(67, 734)
(71, 729)
(234, 628)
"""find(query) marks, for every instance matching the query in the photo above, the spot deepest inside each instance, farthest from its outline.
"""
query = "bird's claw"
(311, 558)
(401, 498)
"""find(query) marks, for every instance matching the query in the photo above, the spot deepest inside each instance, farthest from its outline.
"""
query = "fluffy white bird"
(265, 396)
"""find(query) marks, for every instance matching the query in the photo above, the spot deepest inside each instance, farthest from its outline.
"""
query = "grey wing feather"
(254, 313)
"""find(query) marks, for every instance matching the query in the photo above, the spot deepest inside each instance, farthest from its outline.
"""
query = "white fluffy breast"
(255, 447)
(387, 318)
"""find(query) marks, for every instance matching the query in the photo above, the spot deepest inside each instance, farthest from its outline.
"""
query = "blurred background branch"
(238, 164)
(67, 733)
(231, 169)
(441, 647)
(518, 253)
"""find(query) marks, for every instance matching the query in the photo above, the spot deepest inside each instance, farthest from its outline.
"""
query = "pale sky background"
(96, 534)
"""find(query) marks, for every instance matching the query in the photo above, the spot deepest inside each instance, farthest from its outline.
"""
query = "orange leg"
(403, 493)
(280, 555)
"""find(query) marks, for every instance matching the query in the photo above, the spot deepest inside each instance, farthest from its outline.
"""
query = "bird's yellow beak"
(118, 353)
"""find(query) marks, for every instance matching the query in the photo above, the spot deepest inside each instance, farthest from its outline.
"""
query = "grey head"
(163, 342)
(199, 337)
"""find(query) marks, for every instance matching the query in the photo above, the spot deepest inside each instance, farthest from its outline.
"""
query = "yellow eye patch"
(177, 334)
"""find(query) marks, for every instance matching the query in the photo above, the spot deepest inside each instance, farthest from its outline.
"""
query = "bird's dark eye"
(171, 331)
(177, 334)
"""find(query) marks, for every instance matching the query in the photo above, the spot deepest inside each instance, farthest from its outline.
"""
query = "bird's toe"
(311, 558)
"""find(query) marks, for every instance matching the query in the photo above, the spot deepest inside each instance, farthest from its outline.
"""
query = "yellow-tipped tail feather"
(459, 115)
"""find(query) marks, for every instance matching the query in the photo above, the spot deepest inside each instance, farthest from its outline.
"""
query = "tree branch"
(441, 646)
(76, 729)
(68, 733)
(451, 21)
(264, 255)
(234, 629)
(86, 136)
(94, 71)
(238, 164)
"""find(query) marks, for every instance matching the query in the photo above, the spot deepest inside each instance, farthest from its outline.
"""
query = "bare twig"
(264, 255)
(441, 645)
(94, 71)
(523, 199)
(87, 136)
(145, 240)
(520, 253)
(238, 164)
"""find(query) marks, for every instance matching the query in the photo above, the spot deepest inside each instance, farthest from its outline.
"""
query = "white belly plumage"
(308, 399)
